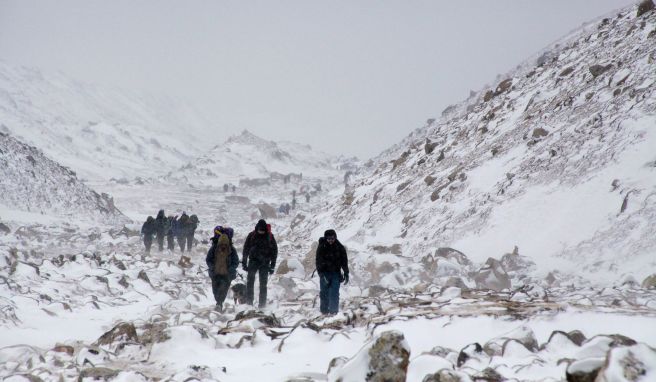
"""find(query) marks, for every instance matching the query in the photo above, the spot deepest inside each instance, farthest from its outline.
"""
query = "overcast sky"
(350, 77)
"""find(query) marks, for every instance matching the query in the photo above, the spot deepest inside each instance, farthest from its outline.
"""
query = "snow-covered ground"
(480, 247)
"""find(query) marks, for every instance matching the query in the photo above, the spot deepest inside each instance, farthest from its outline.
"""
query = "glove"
(272, 269)
(345, 278)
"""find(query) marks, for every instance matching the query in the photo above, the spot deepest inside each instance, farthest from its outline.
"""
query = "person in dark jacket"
(331, 261)
(259, 257)
(222, 261)
(181, 230)
(192, 224)
(147, 231)
(170, 234)
(161, 228)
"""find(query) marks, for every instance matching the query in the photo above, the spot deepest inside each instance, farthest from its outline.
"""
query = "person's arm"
(209, 260)
(319, 261)
(246, 250)
(274, 252)
(233, 263)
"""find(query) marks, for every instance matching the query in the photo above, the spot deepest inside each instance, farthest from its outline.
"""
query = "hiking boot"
(218, 308)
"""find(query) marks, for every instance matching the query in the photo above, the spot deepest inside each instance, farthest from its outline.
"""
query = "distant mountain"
(100, 133)
(32, 182)
(558, 158)
(247, 156)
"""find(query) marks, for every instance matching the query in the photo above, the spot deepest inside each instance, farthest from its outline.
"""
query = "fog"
(351, 77)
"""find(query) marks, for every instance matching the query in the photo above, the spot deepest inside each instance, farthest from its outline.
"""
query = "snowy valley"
(511, 239)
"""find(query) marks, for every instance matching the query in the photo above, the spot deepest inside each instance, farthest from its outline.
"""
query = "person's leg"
(224, 286)
(148, 241)
(215, 288)
(264, 277)
(333, 293)
(250, 286)
(323, 293)
(181, 243)
(160, 241)
(190, 240)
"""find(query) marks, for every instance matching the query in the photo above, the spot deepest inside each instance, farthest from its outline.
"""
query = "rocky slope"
(556, 158)
(32, 182)
(99, 133)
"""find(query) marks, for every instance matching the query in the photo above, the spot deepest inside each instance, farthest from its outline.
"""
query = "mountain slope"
(32, 182)
(100, 133)
(558, 159)
(247, 156)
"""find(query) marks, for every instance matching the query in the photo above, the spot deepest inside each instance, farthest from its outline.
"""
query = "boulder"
(644, 7)
(515, 262)
(267, 211)
(597, 70)
(386, 359)
(143, 276)
(585, 370)
(123, 332)
(471, 351)
(4, 229)
(539, 133)
(503, 86)
(649, 282)
(524, 335)
(633, 363)
(376, 290)
(98, 374)
(457, 282)
(446, 375)
(492, 276)
(454, 255)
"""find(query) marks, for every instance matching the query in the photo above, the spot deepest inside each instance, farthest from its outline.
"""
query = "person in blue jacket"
(222, 261)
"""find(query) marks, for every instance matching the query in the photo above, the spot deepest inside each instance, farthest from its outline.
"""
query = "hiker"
(191, 229)
(147, 232)
(331, 260)
(222, 261)
(307, 197)
(181, 230)
(161, 229)
(170, 233)
(259, 257)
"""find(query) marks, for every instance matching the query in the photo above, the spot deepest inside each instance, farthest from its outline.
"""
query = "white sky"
(349, 77)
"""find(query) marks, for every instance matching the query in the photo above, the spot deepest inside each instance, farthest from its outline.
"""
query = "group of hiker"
(170, 227)
(259, 255)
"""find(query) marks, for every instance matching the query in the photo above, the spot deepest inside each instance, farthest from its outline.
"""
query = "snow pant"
(170, 242)
(182, 239)
(250, 285)
(148, 242)
(329, 292)
(190, 240)
(160, 241)
(220, 287)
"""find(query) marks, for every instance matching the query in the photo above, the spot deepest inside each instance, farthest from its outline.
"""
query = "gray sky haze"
(351, 77)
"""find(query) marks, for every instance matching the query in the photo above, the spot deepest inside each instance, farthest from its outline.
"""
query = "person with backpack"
(331, 261)
(192, 225)
(161, 229)
(181, 231)
(222, 261)
(259, 257)
(170, 233)
(147, 231)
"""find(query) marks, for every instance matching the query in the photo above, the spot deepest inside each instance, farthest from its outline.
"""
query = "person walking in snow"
(192, 225)
(222, 261)
(181, 231)
(332, 266)
(259, 257)
(147, 231)
(170, 233)
(161, 229)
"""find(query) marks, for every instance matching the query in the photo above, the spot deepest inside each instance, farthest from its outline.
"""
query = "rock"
(123, 282)
(470, 351)
(4, 229)
(376, 290)
(266, 319)
(289, 286)
(154, 333)
(143, 276)
(492, 276)
(585, 370)
(394, 249)
(457, 282)
(64, 349)
(388, 358)
(123, 332)
(267, 211)
(644, 7)
(488, 95)
(566, 72)
(597, 70)
(577, 337)
(429, 147)
(446, 375)
(489, 375)
(633, 363)
(503, 86)
(98, 373)
(515, 262)
(453, 254)
(335, 363)
(429, 180)
(283, 268)
(185, 262)
(649, 282)
(539, 133)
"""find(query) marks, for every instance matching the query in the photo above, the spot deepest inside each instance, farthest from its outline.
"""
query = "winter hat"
(330, 233)
(261, 225)
(218, 230)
